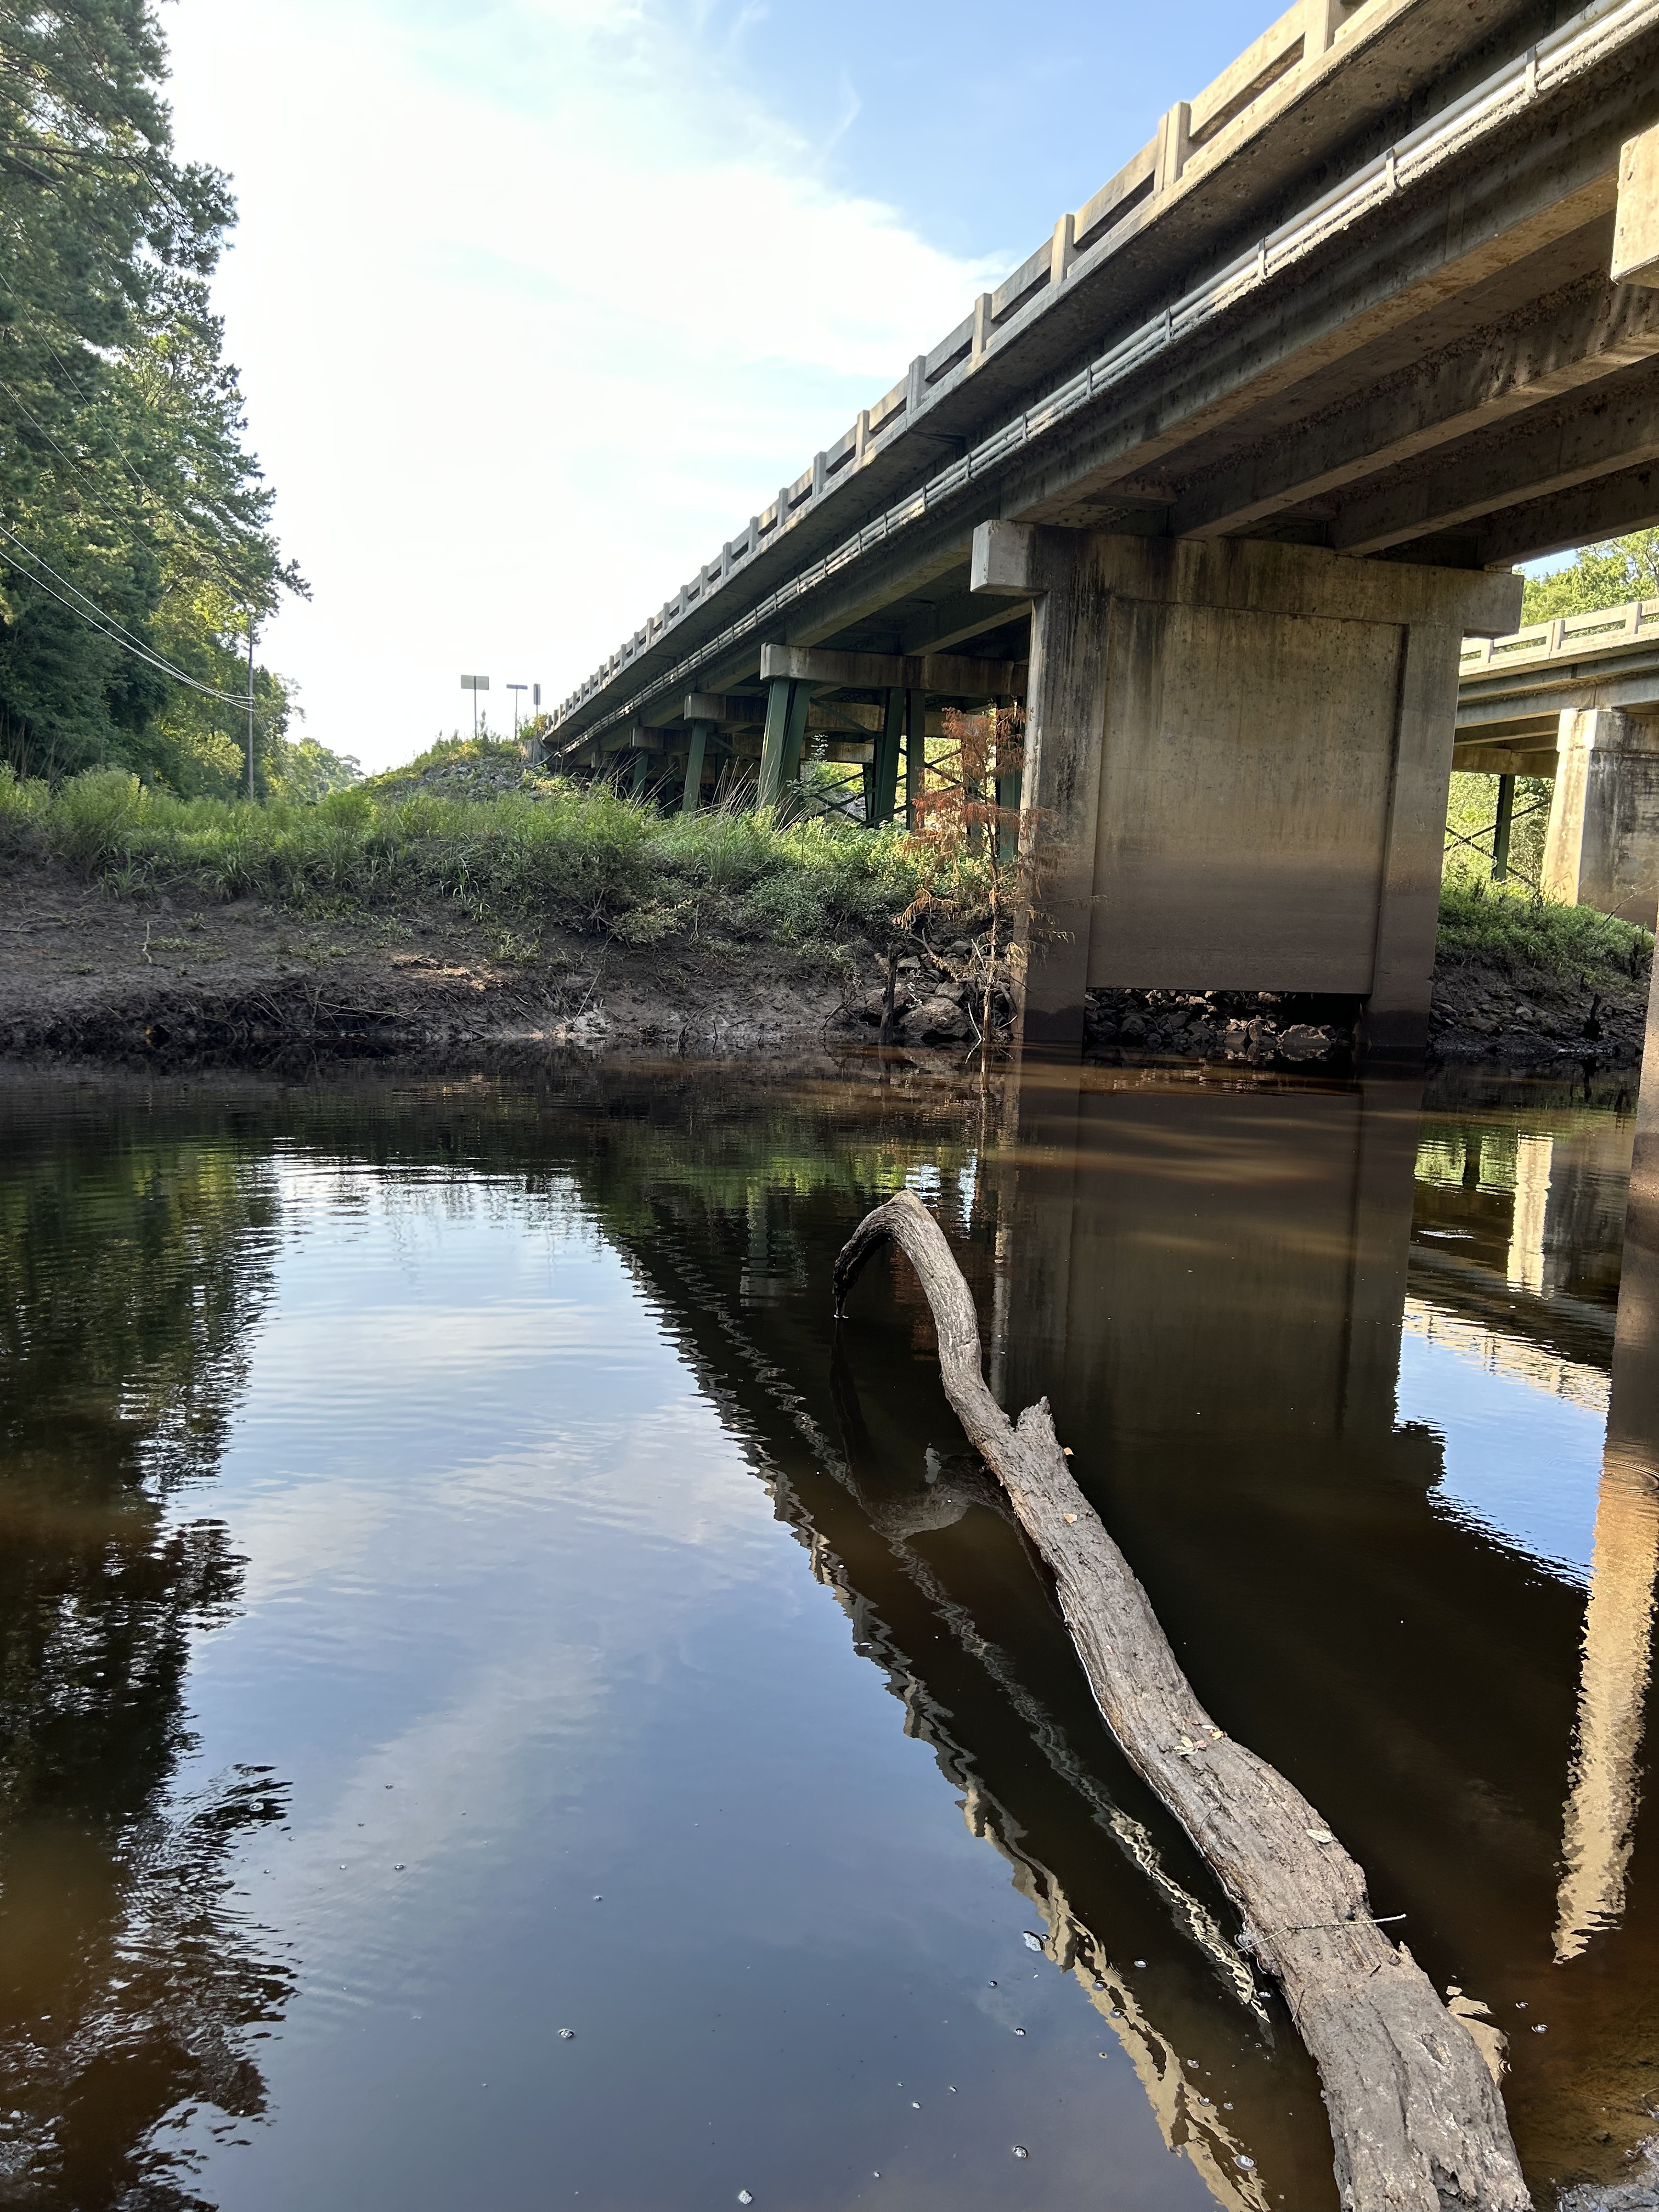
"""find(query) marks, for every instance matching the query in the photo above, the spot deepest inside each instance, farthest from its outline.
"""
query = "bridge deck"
(1355, 294)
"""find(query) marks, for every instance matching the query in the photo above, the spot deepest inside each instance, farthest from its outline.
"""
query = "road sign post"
(475, 685)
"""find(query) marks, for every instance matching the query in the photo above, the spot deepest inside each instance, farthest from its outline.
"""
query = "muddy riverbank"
(84, 972)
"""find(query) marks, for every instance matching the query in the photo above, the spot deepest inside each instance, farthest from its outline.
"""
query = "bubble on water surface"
(1032, 1942)
(1020, 2151)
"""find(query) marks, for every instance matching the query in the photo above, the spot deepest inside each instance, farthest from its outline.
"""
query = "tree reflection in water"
(130, 1272)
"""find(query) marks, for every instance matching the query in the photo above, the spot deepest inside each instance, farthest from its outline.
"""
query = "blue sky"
(536, 302)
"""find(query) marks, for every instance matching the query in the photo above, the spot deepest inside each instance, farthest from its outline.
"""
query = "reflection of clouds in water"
(383, 1346)
(566, 1422)
(376, 1880)
(1523, 1462)
(667, 1477)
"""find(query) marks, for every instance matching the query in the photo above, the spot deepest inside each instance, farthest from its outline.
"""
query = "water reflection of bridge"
(1211, 1282)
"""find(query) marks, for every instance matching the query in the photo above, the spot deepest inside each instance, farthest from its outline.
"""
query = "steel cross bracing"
(1587, 40)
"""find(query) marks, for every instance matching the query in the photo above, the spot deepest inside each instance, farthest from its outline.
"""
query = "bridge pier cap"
(1237, 761)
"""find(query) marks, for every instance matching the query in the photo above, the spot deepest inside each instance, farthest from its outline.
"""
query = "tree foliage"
(136, 524)
(1605, 575)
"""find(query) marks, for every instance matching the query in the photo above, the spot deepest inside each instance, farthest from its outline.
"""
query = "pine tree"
(122, 473)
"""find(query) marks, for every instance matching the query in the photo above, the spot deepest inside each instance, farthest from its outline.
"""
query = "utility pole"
(249, 706)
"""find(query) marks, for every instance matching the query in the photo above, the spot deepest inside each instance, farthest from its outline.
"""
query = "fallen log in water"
(1416, 2117)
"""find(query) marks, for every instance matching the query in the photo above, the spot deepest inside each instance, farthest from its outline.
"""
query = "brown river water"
(503, 1704)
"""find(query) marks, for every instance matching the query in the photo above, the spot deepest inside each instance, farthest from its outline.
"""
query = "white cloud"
(533, 309)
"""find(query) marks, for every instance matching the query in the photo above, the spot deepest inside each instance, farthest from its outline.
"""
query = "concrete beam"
(1290, 580)
(1504, 760)
(954, 622)
(1610, 508)
(1564, 347)
(1636, 228)
(1296, 352)
(1604, 438)
(632, 737)
(932, 549)
(944, 673)
(1539, 704)
(1510, 728)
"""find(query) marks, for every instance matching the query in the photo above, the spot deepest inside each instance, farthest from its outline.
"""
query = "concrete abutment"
(1236, 762)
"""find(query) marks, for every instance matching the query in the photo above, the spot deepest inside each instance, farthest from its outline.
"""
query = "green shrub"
(1507, 926)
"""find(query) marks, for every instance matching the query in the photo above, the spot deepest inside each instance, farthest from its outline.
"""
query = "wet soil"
(1482, 1011)
(83, 972)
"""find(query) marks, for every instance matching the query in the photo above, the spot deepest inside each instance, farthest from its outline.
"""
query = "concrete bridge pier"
(786, 702)
(1601, 848)
(882, 796)
(1236, 762)
(696, 749)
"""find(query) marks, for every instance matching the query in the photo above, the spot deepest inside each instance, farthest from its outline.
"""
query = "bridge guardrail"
(1563, 637)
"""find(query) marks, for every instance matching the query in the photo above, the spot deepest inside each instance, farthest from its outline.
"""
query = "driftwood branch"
(1416, 2117)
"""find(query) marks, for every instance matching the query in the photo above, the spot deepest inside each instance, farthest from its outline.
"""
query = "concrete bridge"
(1576, 698)
(1214, 485)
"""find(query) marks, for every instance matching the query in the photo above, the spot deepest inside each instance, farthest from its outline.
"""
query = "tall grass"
(582, 857)
(587, 859)
(1511, 928)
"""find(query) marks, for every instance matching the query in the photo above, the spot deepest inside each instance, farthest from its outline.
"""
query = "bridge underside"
(1229, 591)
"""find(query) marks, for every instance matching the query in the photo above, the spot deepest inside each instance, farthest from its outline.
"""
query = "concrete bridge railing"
(1563, 637)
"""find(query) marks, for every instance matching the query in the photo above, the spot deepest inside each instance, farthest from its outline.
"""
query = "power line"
(107, 627)
(108, 621)
(148, 490)
(186, 525)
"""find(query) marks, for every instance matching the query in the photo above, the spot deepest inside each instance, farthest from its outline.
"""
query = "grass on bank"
(577, 856)
(483, 752)
(1512, 929)
(588, 860)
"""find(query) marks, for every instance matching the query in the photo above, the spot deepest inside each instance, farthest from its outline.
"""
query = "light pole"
(249, 706)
